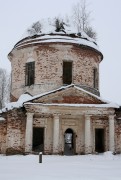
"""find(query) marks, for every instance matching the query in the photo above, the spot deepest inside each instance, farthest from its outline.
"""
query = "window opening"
(30, 72)
(67, 72)
(95, 76)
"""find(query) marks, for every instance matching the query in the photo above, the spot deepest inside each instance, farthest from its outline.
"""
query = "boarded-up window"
(67, 72)
(95, 76)
(30, 71)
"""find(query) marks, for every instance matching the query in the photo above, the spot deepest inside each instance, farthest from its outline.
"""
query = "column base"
(88, 150)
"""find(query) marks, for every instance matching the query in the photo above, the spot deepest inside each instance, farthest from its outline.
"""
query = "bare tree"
(81, 18)
(35, 28)
(7, 89)
(90, 32)
(4, 87)
(59, 25)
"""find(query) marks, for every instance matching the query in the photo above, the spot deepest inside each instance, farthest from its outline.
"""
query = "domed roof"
(46, 31)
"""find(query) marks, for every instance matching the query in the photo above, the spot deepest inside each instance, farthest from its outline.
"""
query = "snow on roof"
(68, 86)
(48, 27)
(56, 38)
(48, 33)
(119, 118)
(107, 103)
(110, 105)
(23, 98)
(26, 98)
(97, 97)
(2, 119)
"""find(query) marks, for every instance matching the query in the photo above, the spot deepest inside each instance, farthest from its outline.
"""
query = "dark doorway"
(69, 142)
(38, 139)
(67, 72)
(99, 140)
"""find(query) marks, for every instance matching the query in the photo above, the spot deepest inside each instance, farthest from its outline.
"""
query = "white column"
(56, 134)
(29, 132)
(111, 133)
(87, 135)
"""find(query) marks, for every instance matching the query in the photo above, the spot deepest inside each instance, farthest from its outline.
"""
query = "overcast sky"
(16, 16)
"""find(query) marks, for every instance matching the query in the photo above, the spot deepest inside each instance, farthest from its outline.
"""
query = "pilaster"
(88, 147)
(29, 132)
(111, 133)
(55, 134)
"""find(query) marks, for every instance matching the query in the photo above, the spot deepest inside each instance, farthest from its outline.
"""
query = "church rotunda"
(55, 104)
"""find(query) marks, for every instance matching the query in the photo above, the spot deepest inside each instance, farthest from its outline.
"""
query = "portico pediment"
(68, 95)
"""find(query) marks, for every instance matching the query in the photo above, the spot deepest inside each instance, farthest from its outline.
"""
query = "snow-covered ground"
(85, 167)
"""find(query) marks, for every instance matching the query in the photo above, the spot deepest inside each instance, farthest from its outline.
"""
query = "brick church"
(55, 103)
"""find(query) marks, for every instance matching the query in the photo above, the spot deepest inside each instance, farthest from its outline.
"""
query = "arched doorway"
(69, 142)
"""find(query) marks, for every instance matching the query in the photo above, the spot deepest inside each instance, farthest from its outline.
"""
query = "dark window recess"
(95, 76)
(67, 72)
(30, 72)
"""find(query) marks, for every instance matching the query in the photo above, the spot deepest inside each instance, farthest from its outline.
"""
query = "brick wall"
(3, 137)
(12, 131)
(15, 138)
(49, 66)
(118, 130)
(103, 123)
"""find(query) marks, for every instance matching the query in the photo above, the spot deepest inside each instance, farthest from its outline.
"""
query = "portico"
(83, 121)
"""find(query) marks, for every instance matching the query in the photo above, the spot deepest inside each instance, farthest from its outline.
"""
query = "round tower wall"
(49, 58)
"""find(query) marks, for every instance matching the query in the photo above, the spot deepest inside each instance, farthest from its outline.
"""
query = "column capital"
(87, 117)
(29, 114)
(56, 115)
(111, 116)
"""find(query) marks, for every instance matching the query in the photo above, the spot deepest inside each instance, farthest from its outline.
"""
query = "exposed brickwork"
(15, 138)
(13, 129)
(47, 124)
(3, 137)
(73, 99)
(118, 130)
(12, 98)
(49, 66)
(71, 95)
(17, 129)
(101, 122)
